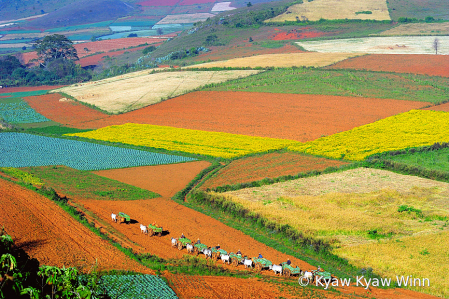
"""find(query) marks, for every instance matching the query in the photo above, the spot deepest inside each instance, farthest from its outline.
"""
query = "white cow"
(248, 263)
(308, 275)
(225, 258)
(114, 217)
(207, 252)
(174, 242)
(189, 248)
(276, 269)
(143, 229)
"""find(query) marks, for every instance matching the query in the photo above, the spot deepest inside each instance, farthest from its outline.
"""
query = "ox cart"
(322, 275)
(237, 259)
(199, 248)
(183, 242)
(261, 263)
(123, 218)
(216, 253)
(154, 230)
(288, 270)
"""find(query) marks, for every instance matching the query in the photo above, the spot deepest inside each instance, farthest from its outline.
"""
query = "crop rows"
(22, 150)
(215, 144)
(136, 286)
(20, 113)
(411, 129)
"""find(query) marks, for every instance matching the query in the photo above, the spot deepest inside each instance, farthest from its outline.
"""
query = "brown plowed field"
(52, 236)
(29, 88)
(66, 112)
(442, 107)
(288, 116)
(95, 59)
(267, 166)
(165, 180)
(178, 219)
(432, 65)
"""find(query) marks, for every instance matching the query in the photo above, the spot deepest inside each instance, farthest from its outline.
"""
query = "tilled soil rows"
(288, 116)
(52, 236)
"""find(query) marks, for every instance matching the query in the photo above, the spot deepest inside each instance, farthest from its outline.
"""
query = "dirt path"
(52, 236)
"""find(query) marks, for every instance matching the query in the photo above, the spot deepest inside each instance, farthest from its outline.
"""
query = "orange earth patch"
(442, 107)
(287, 116)
(432, 65)
(28, 88)
(267, 166)
(297, 34)
(165, 180)
(66, 112)
(52, 236)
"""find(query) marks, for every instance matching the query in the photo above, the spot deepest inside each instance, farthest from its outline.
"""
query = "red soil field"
(165, 180)
(267, 166)
(297, 34)
(28, 88)
(2, 97)
(69, 113)
(52, 236)
(442, 107)
(287, 116)
(192, 2)
(432, 65)
(103, 46)
(178, 219)
(158, 3)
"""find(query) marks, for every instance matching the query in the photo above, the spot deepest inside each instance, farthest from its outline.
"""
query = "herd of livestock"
(215, 253)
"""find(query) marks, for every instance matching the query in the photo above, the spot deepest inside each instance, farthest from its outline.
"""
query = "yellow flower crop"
(214, 144)
(411, 129)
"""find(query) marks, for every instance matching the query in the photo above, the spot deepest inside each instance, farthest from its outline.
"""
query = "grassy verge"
(86, 185)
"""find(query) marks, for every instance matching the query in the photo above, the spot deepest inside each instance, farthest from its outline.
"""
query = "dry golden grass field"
(422, 256)
(418, 29)
(280, 60)
(394, 223)
(136, 90)
(343, 207)
(336, 10)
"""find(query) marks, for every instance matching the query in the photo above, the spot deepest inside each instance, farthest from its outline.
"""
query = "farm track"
(52, 236)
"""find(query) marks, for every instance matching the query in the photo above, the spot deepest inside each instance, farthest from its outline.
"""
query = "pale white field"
(335, 10)
(222, 6)
(280, 60)
(136, 90)
(380, 45)
(185, 18)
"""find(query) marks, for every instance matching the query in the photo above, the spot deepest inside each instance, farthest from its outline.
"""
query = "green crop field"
(419, 9)
(434, 160)
(343, 83)
(86, 185)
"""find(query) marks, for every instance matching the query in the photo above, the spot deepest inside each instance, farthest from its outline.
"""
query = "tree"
(54, 47)
(248, 4)
(436, 44)
(211, 40)
(159, 31)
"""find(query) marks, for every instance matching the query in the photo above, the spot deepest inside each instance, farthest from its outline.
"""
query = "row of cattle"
(256, 263)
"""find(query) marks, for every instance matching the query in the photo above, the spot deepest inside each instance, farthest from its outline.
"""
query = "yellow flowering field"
(214, 144)
(409, 129)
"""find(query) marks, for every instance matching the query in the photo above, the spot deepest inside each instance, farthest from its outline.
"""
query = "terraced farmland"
(23, 150)
(134, 91)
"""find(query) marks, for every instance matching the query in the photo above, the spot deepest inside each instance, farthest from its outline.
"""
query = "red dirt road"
(288, 116)
(267, 166)
(52, 236)
(178, 219)
(432, 65)
(165, 180)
